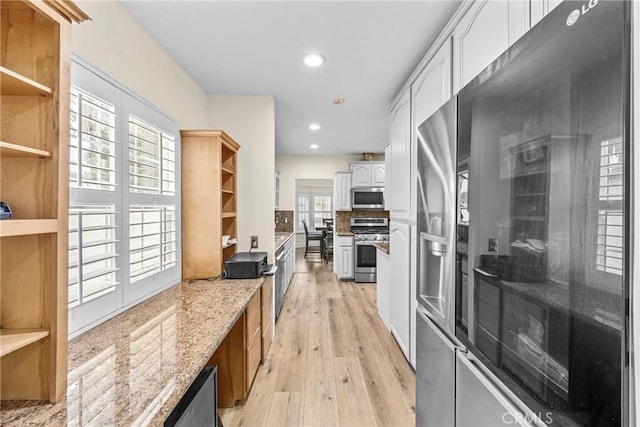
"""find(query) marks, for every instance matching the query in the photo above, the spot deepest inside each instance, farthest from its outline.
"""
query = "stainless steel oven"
(366, 232)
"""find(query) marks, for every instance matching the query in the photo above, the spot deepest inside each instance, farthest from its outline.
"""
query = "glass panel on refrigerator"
(542, 152)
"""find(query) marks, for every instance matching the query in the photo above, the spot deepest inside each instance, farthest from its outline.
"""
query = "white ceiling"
(256, 47)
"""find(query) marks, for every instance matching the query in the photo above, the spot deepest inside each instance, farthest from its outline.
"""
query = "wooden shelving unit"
(208, 211)
(34, 158)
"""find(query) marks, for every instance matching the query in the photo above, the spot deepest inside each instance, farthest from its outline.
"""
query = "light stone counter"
(133, 369)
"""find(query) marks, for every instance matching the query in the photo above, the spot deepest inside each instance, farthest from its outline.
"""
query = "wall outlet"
(254, 242)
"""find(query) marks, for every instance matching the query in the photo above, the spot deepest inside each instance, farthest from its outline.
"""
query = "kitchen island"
(134, 368)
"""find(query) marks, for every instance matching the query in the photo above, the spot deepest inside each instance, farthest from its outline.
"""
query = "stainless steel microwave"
(371, 198)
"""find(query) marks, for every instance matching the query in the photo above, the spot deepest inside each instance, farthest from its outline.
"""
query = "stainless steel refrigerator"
(522, 222)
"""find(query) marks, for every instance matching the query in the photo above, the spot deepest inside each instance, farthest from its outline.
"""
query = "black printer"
(245, 265)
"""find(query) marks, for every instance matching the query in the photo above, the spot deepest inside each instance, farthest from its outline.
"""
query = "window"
(92, 162)
(92, 253)
(313, 208)
(124, 227)
(303, 211)
(321, 209)
(151, 159)
(152, 240)
(609, 248)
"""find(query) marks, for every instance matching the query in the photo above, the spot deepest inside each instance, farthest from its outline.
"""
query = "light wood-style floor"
(332, 363)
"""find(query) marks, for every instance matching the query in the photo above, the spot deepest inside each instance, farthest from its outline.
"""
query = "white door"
(430, 90)
(378, 175)
(400, 285)
(387, 177)
(480, 37)
(398, 191)
(343, 191)
(361, 175)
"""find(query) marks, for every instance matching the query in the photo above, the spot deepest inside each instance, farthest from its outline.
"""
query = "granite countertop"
(134, 368)
(384, 247)
(282, 238)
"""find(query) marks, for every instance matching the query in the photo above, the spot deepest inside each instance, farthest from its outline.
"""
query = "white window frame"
(88, 315)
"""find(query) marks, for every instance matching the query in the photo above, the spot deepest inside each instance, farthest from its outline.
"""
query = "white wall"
(117, 45)
(250, 121)
(292, 167)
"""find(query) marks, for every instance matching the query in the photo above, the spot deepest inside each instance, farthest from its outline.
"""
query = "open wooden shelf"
(228, 214)
(227, 191)
(227, 171)
(228, 245)
(25, 227)
(14, 339)
(8, 149)
(12, 83)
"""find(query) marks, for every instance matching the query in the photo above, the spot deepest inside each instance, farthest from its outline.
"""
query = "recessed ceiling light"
(314, 146)
(338, 101)
(313, 59)
(314, 126)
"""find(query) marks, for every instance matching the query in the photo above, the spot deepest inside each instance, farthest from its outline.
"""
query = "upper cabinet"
(342, 191)
(387, 175)
(485, 31)
(367, 174)
(430, 90)
(540, 9)
(400, 127)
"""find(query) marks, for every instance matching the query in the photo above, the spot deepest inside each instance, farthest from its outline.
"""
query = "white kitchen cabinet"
(367, 174)
(399, 248)
(387, 176)
(485, 31)
(343, 257)
(413, 292)
(383, 282)
(399, 190)
(429, 91)
(342, 191)
(540, 9)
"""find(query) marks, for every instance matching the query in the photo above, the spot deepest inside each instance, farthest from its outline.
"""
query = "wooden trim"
(14, 339)
(69, 10)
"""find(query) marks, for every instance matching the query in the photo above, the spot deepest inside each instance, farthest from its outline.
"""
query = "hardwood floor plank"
(320, 403)
(256, 407)
(354, 406)
(286, 409)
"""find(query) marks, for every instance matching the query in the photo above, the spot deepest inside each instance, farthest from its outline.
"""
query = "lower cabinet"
(238, 356)
(253, 341)
(266, 299)
(383, 283)
(400, 289)
(343, 257)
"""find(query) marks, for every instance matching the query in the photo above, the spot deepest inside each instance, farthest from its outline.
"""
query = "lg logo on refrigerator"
(576, 13)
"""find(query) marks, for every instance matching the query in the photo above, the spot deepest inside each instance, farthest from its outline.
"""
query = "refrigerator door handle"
(485, 273)
(501, 392)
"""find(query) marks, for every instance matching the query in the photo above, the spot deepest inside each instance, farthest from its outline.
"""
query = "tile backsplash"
(343, 218)
(284, 221)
